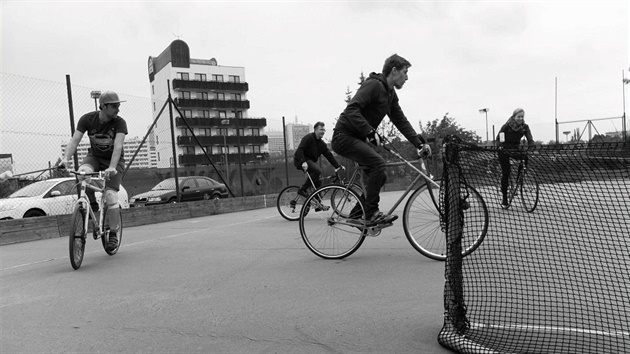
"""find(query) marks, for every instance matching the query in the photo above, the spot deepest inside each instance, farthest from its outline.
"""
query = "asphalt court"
(229, 283)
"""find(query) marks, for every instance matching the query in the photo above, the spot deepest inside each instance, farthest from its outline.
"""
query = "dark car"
(191, 187)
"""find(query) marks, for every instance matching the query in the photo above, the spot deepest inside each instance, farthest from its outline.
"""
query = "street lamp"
(566, 134)
(485, 110)
(95, 95)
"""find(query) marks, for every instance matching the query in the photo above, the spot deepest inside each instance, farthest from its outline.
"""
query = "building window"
(255, 132)
(184, 94)
(222, 114)
(189, 150)
(256, 149)
(220, 96)
(153, 89)
(187, 113)
(216, 77)
(238, 114)
(236, 96)
(234, 78)
(223, 131)
(200, 77)
(241, 131)
(154, 106)
(205, 114)
(185, 132)
(204, 132)
(183, 76)
(202, 95)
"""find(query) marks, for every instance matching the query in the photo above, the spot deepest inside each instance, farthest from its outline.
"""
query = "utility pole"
(485, 110)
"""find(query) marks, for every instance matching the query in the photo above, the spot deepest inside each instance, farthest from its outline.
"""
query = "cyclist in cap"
(106, 131)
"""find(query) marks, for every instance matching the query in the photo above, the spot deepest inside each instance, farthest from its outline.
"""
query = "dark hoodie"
(368, 107)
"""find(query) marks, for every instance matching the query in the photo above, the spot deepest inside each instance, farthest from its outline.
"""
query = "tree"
(438, 129)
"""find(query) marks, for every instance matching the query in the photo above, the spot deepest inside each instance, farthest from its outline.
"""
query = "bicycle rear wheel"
(529, 192)
(327, 232)
(105, 236)
(289, 203)
(422, 224)
(76, 236)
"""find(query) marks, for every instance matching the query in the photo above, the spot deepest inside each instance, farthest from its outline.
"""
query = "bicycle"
(331, 236)
(523, 182)
(290, 201)
(80, 221)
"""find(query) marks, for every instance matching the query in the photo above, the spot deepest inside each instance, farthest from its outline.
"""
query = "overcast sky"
(300, 56)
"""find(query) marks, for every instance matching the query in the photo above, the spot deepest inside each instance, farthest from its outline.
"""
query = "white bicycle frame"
(85, 202)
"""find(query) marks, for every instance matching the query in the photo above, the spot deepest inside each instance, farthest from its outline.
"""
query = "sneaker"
(113, 241)
(380, 218)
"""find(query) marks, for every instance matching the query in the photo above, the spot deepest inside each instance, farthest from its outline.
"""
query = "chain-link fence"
(38, 117)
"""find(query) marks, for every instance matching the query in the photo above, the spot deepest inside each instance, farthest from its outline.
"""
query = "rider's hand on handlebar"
(62, 163)
(373, 138)
(424, 151)
(109, 172)
(340, 168)
(304, 166)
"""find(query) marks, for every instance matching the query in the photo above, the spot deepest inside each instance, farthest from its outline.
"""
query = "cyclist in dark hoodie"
(356, 130)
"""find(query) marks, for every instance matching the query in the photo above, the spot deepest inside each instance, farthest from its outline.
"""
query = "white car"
(55, 196)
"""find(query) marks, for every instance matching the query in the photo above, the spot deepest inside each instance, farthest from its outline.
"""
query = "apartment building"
(213, 100)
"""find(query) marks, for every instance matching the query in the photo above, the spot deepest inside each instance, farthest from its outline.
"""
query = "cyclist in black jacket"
(356, 129)
(509, 138)
(308, 152)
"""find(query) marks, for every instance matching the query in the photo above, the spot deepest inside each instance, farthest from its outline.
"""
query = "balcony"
(179, 84)
(211, 104)
(218, 140)
(222, 122)
(200, 159)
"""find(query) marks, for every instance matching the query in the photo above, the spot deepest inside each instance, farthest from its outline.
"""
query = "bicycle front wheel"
(290, 203)
(76, 237)
(326, 230)
(422, 226)
(529, 192)
(105, 236)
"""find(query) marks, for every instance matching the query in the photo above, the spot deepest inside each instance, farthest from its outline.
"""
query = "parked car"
(55, 196)
(191, 188)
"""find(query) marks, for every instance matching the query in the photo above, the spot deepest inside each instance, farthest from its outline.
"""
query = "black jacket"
(311, 148)
(368, 107)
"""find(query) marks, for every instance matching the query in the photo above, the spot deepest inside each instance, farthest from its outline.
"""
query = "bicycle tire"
(105, 236)
(284, 203)
(77, 236)
(423, 228)
(327, 233)
(529, 192)
(335, 196)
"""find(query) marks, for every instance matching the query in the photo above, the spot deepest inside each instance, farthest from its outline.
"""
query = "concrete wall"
(32, 229)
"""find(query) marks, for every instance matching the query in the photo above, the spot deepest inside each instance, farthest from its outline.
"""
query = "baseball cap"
(108, 97)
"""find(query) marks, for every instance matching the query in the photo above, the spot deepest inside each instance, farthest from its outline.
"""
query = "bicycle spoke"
(327, 233)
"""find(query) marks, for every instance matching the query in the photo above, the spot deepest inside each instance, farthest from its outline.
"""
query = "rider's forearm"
(70, 149)
(115, 157)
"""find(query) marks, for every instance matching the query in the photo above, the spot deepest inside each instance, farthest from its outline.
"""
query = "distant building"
(213, 99)
(276, 142)
(295, 133)
(145, 158)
